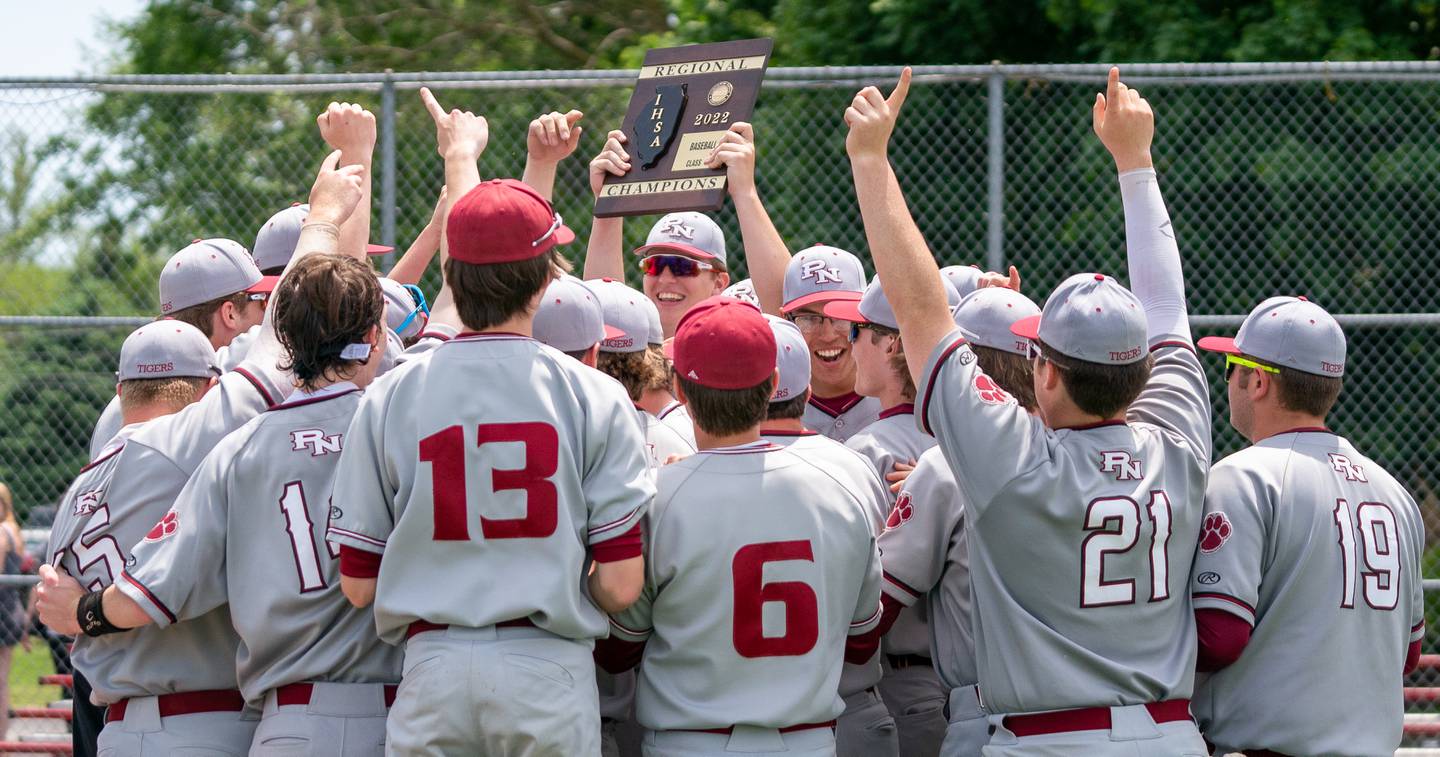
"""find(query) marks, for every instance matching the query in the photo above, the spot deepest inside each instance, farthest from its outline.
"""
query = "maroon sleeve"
(615, 655)
(1412, 657)
(859, 649)
(622, 547)
(1222, 637)
(357, 563)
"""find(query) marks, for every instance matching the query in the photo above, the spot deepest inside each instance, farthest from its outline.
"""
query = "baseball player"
(211, 284)
(931, 653)
(684, 258)
(1110, 478)
(307, 659)
(571, 319)
(817, 276)
(531, 468)
(742, 290)
(880, 373)
(1307, 584)
(866, 727)
(746, 658)
(174, 686)
(631, 361)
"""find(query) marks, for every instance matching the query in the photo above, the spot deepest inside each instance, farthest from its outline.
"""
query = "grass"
(25, 671)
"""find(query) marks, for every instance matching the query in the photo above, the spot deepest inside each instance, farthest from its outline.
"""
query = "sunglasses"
(679, 265)
(420, 307)
(856, 328)
(1232, 361)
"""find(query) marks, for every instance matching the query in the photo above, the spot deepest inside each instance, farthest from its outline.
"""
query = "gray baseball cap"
(167, 348)
(275, 243)
(627, 310)
(570, 317)
(965, 278)
(986, 315)
(688, 233)
(1090, 317)
(872, 307)
(820, 274)
(656, 336)
(743, 290)
(400, 309)
(792, 359)
(1287, 331)
(209, 269)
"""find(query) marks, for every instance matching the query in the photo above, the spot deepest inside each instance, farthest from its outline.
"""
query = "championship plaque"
(685, 100)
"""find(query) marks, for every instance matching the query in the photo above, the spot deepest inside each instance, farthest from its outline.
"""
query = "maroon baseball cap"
(725, 343)
(503, 221)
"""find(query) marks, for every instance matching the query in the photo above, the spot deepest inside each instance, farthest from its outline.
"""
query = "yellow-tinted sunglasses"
(1233, 360)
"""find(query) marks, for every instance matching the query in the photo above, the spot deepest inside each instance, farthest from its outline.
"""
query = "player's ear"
(679, 390)
(117, 389)
(592, 356)
(722, 280)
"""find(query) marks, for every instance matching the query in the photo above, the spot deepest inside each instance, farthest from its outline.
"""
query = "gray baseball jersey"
(106, 427)
(1121, 500)
(250, 533)
(924, 553)
(90, 561)
(761, 640)
(892, 438)
(513, 472)
(839, 458)
(677, 416)
(150, 470)
(841, 417)
(661, 440)
(434, 335)
(230, 356)
(1333, 615)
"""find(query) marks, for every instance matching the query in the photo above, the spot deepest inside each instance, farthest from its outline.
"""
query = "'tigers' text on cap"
(985, 317)
(629, 312)
(1289, 332)
(205, 270)
(1090, 317)
(166, 348)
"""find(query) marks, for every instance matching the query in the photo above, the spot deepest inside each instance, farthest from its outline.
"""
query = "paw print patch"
(1215, 532)
(990, 392)
(167, 527)
(902, 512)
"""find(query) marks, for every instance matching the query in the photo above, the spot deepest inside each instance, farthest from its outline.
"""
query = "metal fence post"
(995, 206)
(387, 164)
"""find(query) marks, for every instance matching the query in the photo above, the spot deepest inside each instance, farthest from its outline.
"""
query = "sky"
(57, 37)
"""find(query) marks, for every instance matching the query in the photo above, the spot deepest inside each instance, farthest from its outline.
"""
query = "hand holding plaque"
(678, 149)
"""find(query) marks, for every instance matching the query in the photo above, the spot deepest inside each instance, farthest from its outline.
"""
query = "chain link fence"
(1314, 179)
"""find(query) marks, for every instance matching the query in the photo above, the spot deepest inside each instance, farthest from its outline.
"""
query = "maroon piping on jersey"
(1089, 426)
(836, 406)
(1301, 430)
(1173, 343)
(1224, 598)
(102, 458)
(930, 384)
(259, 387)
(905, 408)
(153, 599)
(312, 400)
(785, 432)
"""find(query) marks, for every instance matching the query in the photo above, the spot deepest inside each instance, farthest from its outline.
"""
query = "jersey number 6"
(802, 608)
(445, 451)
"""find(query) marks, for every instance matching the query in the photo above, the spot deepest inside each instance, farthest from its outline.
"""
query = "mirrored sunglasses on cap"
(1231, 361)
(679, 265)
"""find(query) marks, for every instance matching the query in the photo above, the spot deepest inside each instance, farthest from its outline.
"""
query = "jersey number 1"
(1114, 526)
(1379, 538)
(302, 537)
(445, 451)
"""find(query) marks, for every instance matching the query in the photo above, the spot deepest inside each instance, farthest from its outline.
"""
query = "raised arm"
(1126, 126)
(460, 138)
(765, 253)
(552, 138)
(411, 266)
(349, 128)
(902, 259)
(604, 254)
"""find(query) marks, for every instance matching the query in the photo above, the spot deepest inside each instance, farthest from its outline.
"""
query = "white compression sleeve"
(1153, 257)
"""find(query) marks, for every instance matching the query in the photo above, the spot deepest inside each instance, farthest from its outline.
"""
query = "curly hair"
(323, 304)
(637, 371)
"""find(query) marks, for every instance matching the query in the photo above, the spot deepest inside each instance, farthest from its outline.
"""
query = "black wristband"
(90, 614)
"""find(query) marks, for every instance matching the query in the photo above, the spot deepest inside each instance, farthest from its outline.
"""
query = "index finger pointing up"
(901, 91)
(1112, 85)
(436, 112)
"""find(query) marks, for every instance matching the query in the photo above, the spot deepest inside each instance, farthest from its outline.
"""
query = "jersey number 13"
(445, 451)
